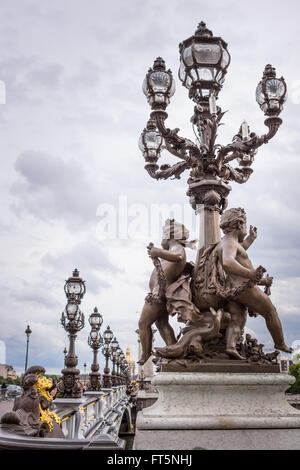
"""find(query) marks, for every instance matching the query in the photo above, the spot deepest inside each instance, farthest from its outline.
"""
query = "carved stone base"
(219, 411)
(217, 366)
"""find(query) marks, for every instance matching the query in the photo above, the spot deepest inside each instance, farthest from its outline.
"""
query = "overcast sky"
(69, 130)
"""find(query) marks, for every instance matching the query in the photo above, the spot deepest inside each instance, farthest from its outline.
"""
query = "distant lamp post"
(126, 370)
(72, 320)
(118, 362)
(114, 347)
(122, 357)
(28, 332)
(95, 341)
(106, 350)
(84, 373)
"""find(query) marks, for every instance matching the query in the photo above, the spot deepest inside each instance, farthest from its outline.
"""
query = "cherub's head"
(234, 220)
(173, 230)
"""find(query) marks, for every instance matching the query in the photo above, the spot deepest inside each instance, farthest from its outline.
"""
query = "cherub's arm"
(230, 263)
(233, 266)
(172, 256)
(250, 239)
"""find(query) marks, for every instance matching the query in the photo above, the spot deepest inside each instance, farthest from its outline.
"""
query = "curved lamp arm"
(240, 148)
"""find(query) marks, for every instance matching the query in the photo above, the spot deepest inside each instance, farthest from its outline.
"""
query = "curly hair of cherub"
(232, 219)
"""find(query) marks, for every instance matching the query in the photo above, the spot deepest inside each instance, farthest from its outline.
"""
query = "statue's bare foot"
(143, 359)
(233, 352)
(283, 347)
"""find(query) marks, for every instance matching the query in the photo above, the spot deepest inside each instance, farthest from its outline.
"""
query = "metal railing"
(98, 412)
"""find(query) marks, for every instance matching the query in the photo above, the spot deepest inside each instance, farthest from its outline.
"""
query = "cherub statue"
(170, 264)
(226, 278)
(31, 414)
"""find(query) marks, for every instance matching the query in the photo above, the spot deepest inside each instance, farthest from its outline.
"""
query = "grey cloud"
(88, 76)
(53, 188)
(90, 258)
(48, 76)
(25, 76)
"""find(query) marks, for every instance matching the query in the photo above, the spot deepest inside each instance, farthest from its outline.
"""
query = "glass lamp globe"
(159, 85)
(75, 286)
(271, 92)
(108, 335)
(72, 310)
(204, 60)
(150, 143)
(96, 319)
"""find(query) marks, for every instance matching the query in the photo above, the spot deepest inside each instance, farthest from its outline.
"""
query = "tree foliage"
(295, 372)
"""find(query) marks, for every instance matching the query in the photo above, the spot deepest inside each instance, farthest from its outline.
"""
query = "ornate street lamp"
(84, 373)
(127, 375)
(72, 320)
(204, 60)
(95, 341)
(113, 357)
(106, 350)
(123, 370)
(28, 332)
(118, 359)
(122, 357)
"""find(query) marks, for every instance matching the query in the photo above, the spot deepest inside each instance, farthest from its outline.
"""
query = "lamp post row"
(72, 320)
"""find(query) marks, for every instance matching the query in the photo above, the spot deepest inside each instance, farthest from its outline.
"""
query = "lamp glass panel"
(194, 75)
(205, 74)
(94, 335)
(152, 140)
(71, 308)
(188, 56)
(160, 81)
(188, 82)
(181, 71)
(260, 97)
(206, 53)
(74, 287)
(172, 89)
(274, 89)
(145, 86)
(225, 59)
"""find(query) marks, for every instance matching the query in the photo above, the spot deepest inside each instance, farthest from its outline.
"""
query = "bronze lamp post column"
(28, 332)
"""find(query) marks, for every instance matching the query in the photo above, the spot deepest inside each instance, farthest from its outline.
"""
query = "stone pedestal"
(197, 410)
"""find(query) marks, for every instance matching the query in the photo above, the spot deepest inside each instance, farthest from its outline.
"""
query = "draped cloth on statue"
(212, 279)
(179, 300)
